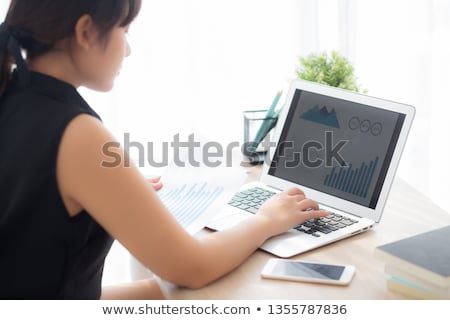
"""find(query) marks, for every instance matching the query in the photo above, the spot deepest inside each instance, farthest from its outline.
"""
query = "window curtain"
(401, 52)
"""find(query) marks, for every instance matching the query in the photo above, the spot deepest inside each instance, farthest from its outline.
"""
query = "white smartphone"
(308, 271)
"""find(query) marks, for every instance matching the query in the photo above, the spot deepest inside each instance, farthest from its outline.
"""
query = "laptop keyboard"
(251, 199)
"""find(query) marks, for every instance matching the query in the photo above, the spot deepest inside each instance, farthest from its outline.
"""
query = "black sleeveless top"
(44, 253)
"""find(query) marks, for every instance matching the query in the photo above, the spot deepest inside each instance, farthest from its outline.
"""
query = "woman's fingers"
(314, 214)
(155, 179)
(311, 209)
(308, 204)
(156, 182)
(295, 191)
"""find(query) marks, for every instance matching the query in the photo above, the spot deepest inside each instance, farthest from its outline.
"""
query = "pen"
(267, 124)
(269, 113)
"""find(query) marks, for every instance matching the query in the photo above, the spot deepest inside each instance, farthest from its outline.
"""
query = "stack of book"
(419, 266)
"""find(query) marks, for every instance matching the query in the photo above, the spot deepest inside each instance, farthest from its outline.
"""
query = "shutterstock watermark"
(194, 153)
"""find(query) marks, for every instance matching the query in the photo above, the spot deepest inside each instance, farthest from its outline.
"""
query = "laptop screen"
(338, 147)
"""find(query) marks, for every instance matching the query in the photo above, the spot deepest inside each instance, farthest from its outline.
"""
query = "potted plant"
(330, 69)
(333, 70)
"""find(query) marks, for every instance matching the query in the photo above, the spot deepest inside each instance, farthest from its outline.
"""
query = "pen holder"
(257, 137)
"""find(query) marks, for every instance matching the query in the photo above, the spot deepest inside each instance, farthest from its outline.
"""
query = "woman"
(59, 208)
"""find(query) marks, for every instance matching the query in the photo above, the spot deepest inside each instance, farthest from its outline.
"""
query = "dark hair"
(38, 25)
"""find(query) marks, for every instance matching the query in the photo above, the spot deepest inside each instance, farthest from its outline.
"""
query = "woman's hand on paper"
(156, 183)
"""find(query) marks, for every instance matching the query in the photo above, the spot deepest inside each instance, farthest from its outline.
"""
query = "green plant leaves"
(333, 70)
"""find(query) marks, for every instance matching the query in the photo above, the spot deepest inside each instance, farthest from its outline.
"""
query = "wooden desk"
(407, 212)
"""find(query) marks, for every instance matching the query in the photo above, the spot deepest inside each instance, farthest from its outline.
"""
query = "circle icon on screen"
(376, 129)
(354, 123)
(365, 126)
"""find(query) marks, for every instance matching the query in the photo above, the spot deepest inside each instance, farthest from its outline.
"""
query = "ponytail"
(11, 52)
(6, 60)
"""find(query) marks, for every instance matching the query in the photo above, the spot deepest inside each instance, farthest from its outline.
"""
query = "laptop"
(342, 149)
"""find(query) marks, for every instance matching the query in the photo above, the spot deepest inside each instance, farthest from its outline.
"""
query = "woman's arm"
(126, 205)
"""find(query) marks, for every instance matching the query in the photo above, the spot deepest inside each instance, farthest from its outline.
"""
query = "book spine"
(418, 280)
(411, 268)
(413, 291)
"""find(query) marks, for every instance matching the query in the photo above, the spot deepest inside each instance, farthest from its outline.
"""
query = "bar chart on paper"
(188, 202)
(355, 181)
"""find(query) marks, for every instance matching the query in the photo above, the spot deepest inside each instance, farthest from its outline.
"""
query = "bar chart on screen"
(355, 181)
